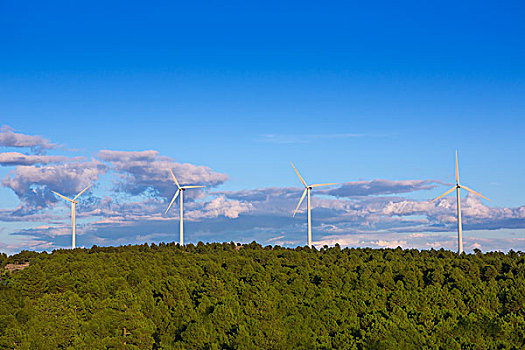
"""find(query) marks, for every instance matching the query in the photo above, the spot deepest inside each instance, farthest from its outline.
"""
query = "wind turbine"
(73, 206)
(180, 190)
(307, 189)
(457, 187)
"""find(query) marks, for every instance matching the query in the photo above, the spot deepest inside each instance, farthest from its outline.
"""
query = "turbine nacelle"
(458, 186)
(179, 189)
(306, 188)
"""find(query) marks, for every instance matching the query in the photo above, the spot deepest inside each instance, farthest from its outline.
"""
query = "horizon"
(264, 247)
(376, 97)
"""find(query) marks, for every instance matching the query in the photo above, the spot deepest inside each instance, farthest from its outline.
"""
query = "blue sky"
(348, 91)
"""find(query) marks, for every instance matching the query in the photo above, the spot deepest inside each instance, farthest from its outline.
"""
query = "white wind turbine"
(73, 206)
(180, 190)
(307, 189)
(457, 187)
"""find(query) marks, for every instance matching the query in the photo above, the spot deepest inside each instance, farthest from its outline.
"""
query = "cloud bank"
(148, 172)
(16, 158)
(135, 187)
(37, 144)
(381, 187)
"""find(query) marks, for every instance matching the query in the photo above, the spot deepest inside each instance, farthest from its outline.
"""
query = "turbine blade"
(58, 194)
(172, 200)
(457, 168)
(300, 201)
(84, 190)
(318, 185)
(185, 187)
(174, 179)
(476, 193)
(444, 194)
(300, 178)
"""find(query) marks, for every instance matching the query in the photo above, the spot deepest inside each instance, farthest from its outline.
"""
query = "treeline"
(226, 296)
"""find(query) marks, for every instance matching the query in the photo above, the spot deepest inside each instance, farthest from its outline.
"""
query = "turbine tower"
(457, 187)
(73, 209)
(306, 191)
(180, 190)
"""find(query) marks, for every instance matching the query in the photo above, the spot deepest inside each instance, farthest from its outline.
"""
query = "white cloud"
(140, 172)
(16, 158)
(380, 187)
(33, 184)
(388, 244)
(220, 206)
(38, 144)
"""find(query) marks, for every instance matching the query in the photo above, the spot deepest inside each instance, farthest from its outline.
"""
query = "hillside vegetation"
(217, 296)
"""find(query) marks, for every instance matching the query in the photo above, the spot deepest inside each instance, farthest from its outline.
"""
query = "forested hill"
(222, 296)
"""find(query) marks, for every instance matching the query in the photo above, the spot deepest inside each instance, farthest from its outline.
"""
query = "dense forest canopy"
(226, 296)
